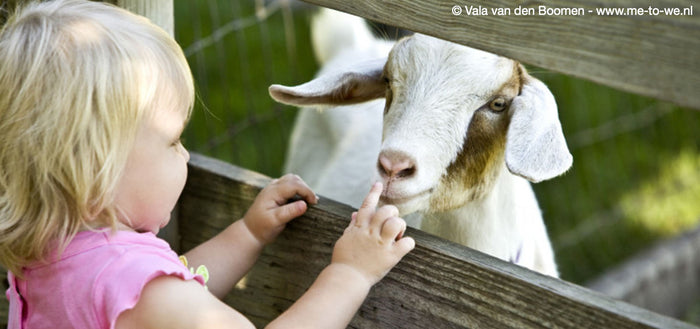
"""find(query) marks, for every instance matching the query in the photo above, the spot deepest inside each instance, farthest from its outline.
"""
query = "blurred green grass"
(636, 173)
(234, 118)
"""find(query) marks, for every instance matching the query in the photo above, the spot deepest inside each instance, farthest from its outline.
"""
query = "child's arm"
(230, 254)
(370, 246)
(169, 302)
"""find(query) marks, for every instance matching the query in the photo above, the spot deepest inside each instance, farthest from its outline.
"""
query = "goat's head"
(453, 114)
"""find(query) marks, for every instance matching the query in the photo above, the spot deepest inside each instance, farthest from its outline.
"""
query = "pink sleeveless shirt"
(98, 276)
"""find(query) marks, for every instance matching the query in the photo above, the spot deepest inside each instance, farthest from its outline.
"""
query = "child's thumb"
(405, 245)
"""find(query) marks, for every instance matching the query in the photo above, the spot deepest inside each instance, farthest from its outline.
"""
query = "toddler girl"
(93, 100)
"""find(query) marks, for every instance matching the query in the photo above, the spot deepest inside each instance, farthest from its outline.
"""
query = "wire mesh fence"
(235, 49)
(636, 173)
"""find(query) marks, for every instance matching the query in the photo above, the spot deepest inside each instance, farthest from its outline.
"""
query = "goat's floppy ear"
(361, 83)
(535, 145)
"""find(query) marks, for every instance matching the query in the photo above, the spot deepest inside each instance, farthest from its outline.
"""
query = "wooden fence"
(664, 278)
(651, 54)
(438, 285)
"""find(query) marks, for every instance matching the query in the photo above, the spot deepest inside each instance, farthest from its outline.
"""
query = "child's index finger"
(309, 196)
(372, 199)
(369, 204)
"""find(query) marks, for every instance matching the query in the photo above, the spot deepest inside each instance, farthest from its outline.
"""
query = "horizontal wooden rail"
(664, 278)
(649, 53)
(438, 285)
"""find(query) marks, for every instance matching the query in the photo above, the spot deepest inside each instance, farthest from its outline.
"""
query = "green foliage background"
(636, 173)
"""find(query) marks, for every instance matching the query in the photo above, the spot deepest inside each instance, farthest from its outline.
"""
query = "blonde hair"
(76, 80)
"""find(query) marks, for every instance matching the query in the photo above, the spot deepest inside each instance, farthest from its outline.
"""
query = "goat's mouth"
(402, 200)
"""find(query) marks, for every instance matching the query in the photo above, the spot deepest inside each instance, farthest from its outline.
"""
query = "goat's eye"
(498, 104)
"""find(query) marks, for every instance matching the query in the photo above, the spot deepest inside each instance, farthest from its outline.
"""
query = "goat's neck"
(488, 223)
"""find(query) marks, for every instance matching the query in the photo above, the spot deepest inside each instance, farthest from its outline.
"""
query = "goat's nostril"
(408, 172)
(395, 166)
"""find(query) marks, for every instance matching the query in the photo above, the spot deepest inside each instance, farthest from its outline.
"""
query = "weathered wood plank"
(160, 12)
(664, 278)
(652, 55)
(438, 285)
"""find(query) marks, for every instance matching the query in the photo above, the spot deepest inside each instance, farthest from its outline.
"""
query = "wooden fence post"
(160, 12)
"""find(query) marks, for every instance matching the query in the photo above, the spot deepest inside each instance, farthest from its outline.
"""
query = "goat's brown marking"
(477, 165)
(357, 88)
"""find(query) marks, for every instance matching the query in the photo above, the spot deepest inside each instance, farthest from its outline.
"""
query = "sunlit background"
(636, 173)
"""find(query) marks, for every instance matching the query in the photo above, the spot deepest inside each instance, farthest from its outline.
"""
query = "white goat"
(463, 129)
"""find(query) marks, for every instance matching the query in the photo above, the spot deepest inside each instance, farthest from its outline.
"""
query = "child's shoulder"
(105, 246)
(124, 255)
(107, 273)
(103, 257)
(94, 240)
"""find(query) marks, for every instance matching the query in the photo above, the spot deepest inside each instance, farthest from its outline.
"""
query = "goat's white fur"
(468, 162)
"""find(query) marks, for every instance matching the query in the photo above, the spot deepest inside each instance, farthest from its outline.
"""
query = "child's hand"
(271, 209)
(373, 242)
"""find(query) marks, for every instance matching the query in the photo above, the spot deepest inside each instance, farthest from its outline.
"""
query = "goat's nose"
(396, 165)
